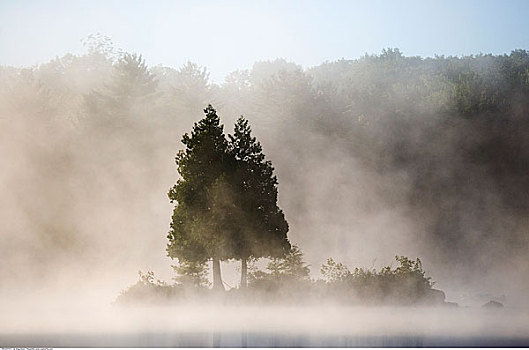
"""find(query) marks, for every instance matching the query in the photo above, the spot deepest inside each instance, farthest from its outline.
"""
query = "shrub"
(149, 290)
(406, 284)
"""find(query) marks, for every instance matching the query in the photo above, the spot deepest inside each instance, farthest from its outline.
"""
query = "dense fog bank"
(377, 156)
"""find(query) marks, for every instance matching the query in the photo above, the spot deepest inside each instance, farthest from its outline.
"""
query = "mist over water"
(212, 325)
(375, 157)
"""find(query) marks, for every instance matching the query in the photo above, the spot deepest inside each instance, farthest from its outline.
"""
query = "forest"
(384, 148)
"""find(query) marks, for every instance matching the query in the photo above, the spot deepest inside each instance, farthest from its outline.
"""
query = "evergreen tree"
(289, 269)
(262, 230)
(128, 95)
(290, 266)
(191, 273)
(195, 235)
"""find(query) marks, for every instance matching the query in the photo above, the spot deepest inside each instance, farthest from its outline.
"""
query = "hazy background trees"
(377, 156)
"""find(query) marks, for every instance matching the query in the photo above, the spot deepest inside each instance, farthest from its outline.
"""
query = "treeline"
(445, 137)
(287, 280)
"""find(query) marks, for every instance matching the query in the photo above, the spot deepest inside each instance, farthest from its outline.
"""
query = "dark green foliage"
(194, 235)
(227, 197)
(261, 226)
(198, 232)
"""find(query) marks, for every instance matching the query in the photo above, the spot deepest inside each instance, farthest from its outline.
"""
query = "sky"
(227, 35)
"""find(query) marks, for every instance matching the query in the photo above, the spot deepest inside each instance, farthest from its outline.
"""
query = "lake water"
(265, 326)
(227, 339)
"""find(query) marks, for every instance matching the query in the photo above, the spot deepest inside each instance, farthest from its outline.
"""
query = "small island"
(226, 209)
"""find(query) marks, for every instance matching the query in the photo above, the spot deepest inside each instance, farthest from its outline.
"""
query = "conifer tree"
(194, 234)
(127, 96)
(226, 199)
(262, 230)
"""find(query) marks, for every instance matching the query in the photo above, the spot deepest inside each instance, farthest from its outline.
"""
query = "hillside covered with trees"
(371, 154)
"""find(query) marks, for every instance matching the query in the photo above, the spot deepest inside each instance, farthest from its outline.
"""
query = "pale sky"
(227, 35)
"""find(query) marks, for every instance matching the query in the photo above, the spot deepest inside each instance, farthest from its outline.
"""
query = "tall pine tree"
(262, 230)
(226, 199)
(194, 234)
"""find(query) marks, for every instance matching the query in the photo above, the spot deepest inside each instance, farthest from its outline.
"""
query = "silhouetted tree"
(263, 229)
(194, 234)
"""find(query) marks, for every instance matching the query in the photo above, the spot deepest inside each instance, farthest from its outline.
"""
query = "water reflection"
(250, 339)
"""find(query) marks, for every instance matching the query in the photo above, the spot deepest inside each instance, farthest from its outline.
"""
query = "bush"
(149, 290)
(406, 284)
(334, 272)
(286, 278)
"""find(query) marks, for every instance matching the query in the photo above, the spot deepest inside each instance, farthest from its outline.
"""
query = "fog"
(378, 156)
(216, 325)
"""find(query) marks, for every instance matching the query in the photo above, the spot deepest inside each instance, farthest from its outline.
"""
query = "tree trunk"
(244, 273)
(217, 279)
